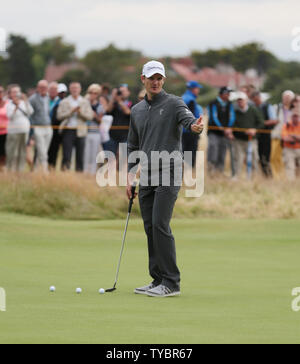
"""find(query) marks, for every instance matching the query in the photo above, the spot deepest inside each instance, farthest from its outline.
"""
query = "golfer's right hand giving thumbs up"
(198, 127)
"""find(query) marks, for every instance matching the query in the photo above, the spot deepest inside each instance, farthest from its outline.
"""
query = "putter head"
(110, 290)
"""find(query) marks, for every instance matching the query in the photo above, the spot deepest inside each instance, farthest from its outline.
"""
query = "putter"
(124, 237)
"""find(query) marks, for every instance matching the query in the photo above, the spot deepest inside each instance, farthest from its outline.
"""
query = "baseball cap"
(193, 84)
(153, 67)
(241, 95)
(62, 88)
(225, 90)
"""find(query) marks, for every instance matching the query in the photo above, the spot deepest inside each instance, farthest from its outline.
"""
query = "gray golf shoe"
(145, 289)
(163, 291)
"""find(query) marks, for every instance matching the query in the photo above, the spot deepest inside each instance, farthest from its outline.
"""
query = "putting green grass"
(237, 279)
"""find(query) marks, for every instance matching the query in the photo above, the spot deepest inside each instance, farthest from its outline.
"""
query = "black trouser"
(69, 141)
(2, 145)
(157, 204)
(264, 150)
(54, 148)
(2, 149)
(190, 144)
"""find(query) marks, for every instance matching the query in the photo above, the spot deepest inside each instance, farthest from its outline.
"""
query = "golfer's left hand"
(198, 126)
(129, 192)
(130, 181)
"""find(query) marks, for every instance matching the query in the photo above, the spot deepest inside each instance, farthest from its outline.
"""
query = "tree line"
(25, 63)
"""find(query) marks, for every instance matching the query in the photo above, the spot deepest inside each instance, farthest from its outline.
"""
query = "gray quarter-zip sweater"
(41, 107)
(157, 125)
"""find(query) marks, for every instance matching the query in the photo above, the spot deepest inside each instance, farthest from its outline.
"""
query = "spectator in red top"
(3, 126)
(291, 143)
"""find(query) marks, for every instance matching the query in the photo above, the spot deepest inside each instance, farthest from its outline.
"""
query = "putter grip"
(133, 189)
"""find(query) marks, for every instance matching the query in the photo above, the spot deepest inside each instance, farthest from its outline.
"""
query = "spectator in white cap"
(56, 141)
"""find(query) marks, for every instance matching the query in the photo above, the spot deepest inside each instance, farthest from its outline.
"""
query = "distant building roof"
(55, 72)
(222, 75)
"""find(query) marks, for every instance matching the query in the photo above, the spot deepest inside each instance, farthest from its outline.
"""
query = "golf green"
(237, 281)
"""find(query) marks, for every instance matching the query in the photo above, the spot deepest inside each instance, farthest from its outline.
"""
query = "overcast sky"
(158, 27)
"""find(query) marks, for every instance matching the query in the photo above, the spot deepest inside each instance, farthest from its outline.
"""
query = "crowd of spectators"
(256, 135)
(253, 132)
(57, 117)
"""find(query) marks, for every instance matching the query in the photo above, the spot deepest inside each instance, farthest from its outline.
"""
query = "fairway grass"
(237, 280)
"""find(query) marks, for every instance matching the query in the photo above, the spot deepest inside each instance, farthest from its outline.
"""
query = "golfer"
(156, 126)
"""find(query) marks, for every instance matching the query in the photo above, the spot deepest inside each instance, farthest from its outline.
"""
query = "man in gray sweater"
(156, 127)
(41, 121)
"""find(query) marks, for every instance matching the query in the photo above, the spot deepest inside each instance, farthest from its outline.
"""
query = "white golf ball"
(101, 290)
(78, 290)
(52, 289)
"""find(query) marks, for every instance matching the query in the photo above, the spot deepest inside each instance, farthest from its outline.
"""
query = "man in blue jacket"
(190, 140)
(221, 114)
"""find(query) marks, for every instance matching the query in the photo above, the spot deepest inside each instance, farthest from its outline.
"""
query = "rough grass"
(77, 197)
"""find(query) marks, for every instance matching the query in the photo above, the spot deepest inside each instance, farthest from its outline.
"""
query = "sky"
(159, 27)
